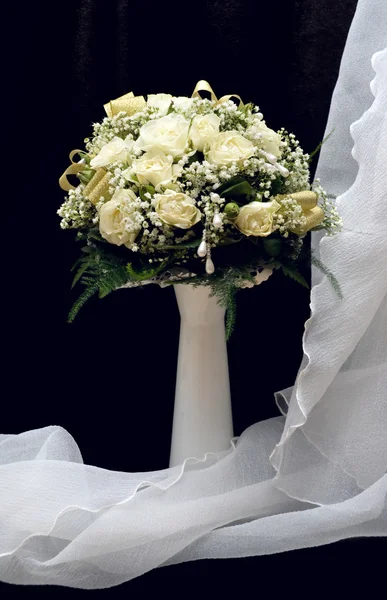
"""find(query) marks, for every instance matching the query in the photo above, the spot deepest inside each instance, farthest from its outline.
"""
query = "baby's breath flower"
(77, 212)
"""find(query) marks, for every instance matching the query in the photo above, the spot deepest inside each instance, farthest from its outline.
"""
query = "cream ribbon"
(308, 201)
(73, 169)
(128, 103)
(204, 86)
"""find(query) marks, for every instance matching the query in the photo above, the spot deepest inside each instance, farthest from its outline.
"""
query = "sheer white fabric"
(313, 477)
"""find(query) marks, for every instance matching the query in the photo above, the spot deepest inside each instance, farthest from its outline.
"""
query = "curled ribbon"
(73, 169)
(308, 201)
(204, 86)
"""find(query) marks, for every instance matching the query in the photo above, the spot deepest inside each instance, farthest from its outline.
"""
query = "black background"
(109, 378)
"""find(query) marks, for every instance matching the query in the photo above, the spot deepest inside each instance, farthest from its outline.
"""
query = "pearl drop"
(210, 267)
(202, 250)
(270, 157)
(259, 116)
(283, 170)
(217, 221)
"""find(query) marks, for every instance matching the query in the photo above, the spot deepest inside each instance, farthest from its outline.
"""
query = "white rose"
(203, 129)
(155, 168)
(160, 101)
(182, 102)
(265, 138)
(117, 150)
(177, 209)
(117, 219)
(228, 147)
(169, 134)
(256, 218)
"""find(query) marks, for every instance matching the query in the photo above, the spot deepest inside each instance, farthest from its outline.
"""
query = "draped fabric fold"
(313, 476)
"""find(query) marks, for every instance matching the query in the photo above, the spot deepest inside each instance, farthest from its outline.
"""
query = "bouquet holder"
(202, 420)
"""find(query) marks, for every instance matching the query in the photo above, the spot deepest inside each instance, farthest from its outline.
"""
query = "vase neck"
(196, 306)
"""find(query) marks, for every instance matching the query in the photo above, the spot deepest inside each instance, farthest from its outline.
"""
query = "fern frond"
(99, 272)
(318, 148)
(147, 273)
(332, 279)
(231, 311)
(110, 280)
(294, 274)
(83, 266)
(88, 292)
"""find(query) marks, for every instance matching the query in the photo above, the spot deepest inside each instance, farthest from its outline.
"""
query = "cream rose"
(117, 150)
(117, 219)
(177, 209)
(156, 168)
(256, 218)
(228, 147)
(265, 138)
(160, 101)
(182, 102)
(203, 129)
(168, 134)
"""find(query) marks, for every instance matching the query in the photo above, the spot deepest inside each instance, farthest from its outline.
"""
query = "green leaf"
(189, 244)
(82, 269)
(272, 246)
(98, 271)
(111, 280)
(81, 300)
(197, 157)
(228, 241)
(94, 234)
(146, 189)
(234, 187)
(294, 274)
(317, 149)
(245, 108)
(276, 186)
(231, 311)
(332, 279)
(145, 272)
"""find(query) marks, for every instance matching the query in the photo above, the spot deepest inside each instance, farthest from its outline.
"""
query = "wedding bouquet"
(190, 190)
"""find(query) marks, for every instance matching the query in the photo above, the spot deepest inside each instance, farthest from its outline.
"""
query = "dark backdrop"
(109, 378)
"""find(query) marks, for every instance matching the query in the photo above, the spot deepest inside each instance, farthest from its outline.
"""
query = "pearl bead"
(210, 267)
(217, 221)
(283, 170)
(202, 250)
(270, 157)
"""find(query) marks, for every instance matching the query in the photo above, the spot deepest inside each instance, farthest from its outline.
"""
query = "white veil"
(313, 478)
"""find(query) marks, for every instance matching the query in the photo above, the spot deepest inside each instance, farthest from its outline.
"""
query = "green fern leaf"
(82, 269)
(81, 301)
(294, 274)
(331, 278)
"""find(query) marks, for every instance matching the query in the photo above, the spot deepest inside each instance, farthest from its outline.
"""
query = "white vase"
(202, 420)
